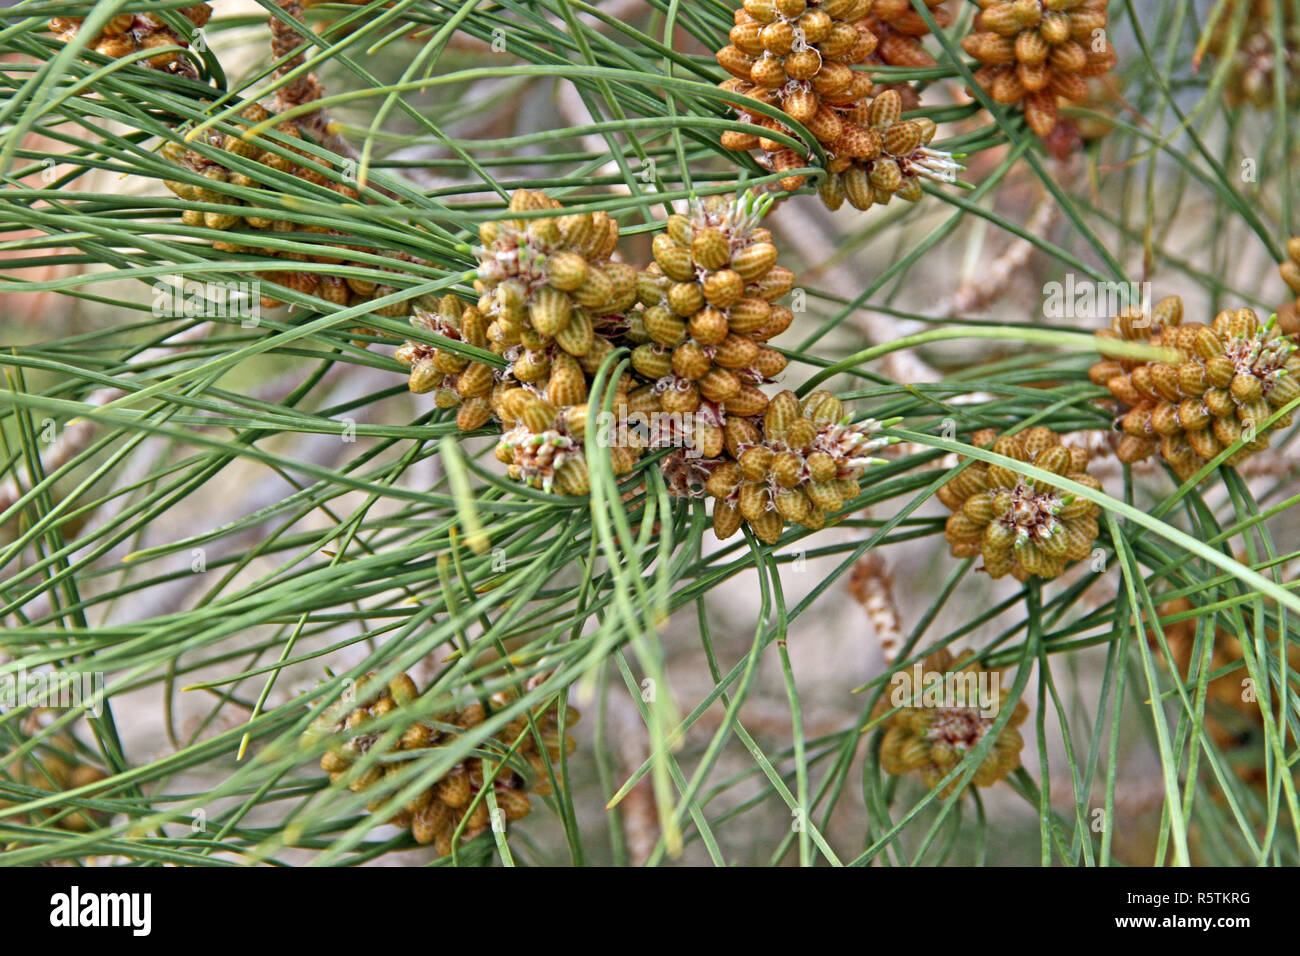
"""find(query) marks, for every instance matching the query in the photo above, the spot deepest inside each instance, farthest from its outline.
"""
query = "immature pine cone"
(933, 736)
(1226, 379)
(435, 814)
(1253, 50)
(801, 463)
(1023, 527)
(127, 33)
(1035, 51)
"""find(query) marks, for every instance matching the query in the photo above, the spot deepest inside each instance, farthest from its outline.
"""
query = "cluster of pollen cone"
(1243, 33)
(244, 164)
(707, 308)
(1036, 53)
(799, 57)
(799, 464)
(128, 33)
(1233, 717)
(1022, 526)
(932, 737)
(55, 772)
(555, 301)
(555, 307)
(551, 298)
(241, 163)
(455, 806)
(1219, 386)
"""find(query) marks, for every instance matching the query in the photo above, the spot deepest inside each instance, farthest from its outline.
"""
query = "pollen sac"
(1242, 32)
(800, 463)
(129, 33)
(1021, 526)
(523, 755)
(1036, 53)
(1223, 383)
(942, 709)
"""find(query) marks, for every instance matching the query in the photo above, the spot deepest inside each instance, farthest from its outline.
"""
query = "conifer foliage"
(385, 382)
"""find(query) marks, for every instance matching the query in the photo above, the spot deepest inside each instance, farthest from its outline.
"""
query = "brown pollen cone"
(129, 33)
(1243, 33)
(1021, 526)
(1034, 51)
(304, 88)
(900, 30)
(50, 771)
(1233, 718)
(934, 730)
(244, 227)
(454, 806)
(1288, 314)
(1220, 385)
(799, 464)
